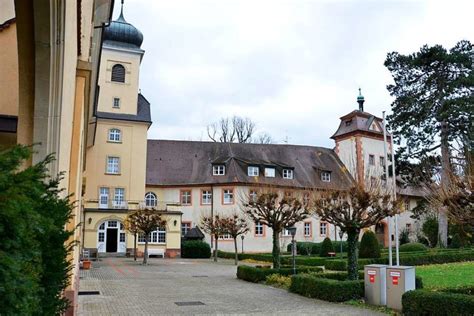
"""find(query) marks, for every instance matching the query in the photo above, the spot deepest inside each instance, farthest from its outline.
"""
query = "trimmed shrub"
(468, 290)
(413, 246)
(456, 242)
(423, 302)
(404, 237)
(326, 247)
(326, 289)
(255, 274)
(195, 249)
(278, 280)
(341, 276)
(369, 246)
(430, 230)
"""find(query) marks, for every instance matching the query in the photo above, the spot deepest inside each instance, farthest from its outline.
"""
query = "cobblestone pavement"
(128, 288)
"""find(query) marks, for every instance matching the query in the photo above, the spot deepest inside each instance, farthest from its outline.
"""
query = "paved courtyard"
(128, 288)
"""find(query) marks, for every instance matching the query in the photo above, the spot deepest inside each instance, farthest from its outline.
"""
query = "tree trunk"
(236, 254)
(216, 238)
(276, 250)
(352, 237)
(135, 246)
(445, 176)
(145, 253)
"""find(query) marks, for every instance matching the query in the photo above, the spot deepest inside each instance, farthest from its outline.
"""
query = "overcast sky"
(294, 67)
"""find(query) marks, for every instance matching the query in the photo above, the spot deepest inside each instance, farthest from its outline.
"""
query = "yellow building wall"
(9, 70)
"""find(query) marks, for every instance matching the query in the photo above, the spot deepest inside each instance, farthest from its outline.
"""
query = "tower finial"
(121, 12)
(360, 100)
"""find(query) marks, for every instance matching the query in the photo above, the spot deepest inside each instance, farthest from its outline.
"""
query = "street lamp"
(341, 233)
(242, 236)
(292, 231)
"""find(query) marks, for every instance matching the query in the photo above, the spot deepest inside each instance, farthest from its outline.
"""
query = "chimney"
(360, 100)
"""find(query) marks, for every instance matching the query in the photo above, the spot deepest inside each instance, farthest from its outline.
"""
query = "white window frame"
(218, 170)
(287, 174)
(157, 237)
(253, 196)
(307, 229)
(371, 160)
(151, 200)
(382, 161)
(253, 171)
(225, 236)
(104, 195)
(113, 165)
(119, 198)
(228, 196)
(116, 103)
(189, 196)
(188, 224)
(115, 135)
(259, 227)
(323, 228)
(326, 176)
(286, 232)
(269, 172)
(206, 197)
(407, 205)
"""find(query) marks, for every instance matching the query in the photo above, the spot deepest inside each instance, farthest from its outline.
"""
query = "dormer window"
(270, 172)
(326, 176)
(118, 73)
(348, 122)
(287, 174)
(218, 170)
(252, 171)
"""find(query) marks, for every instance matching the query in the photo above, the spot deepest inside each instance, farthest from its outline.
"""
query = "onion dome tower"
(124, 33)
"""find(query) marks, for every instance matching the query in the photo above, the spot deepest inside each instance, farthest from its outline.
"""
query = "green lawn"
(447, 275)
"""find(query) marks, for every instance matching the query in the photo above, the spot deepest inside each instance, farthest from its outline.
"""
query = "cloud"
(293, 66)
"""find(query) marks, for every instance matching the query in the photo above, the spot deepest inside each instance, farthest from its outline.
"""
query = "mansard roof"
(143, 112)
(181, 163)
(359, 122)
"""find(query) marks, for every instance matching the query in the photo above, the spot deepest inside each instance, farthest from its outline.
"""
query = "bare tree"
(132, 228)
(214, 227)
(145, 222)
(362, 206)
(264, 138)
(277, 212)
(229, 130)
(235, 225)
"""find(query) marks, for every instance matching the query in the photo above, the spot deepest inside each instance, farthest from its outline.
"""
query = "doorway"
(111, 241)
(111, 237)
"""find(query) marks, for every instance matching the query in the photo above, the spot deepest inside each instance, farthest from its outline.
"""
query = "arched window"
(150, 199)
(115, 135)
(118, 73)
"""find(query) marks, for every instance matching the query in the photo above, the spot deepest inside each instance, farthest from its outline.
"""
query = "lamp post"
(341, 233)
(292, 231)
(242, 236)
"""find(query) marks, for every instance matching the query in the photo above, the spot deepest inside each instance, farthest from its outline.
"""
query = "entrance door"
(111, 243)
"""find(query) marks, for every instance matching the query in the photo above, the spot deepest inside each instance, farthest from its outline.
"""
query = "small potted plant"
(86, 264)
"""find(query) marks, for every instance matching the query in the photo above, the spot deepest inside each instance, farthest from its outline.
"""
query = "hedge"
(413, 247)
(468, 289)
(423, 302)
(326, 289)
(195, 249)
(315, 247)
(254, 274)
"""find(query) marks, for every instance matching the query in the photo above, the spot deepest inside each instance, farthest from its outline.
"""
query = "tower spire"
(121, 12)
(360, 100)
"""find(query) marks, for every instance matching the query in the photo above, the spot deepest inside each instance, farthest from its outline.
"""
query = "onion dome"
(123, 32)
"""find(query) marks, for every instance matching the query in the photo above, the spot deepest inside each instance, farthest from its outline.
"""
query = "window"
(252, 171)
(259, 229)
(157, 236)
(348, 122)
(305, 199)
(287, 174)
(112, 224)
(119, 199)
(326, 176)
(186, 197)
(382, 161)
(102, 226)
(225, 237)
(115, 135)
(118, 73)
(286, 232)
(116, 104)
(407, 205)
(101, 236)
(150, 199)
(253, 196)
(372, 160)
(103, 197)
(185, 227)
(218, 170)
(206, 197)
(323, 229)
(270, 172)
(307, 229)
(228, 196)
(122, 237)
(408, 226)
(113, 165)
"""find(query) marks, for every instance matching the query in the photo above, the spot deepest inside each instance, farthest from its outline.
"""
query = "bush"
(326, 289)
(430, 230)
(468, 289)
(423, 302)
(404, 237)
(195, 249)
(256, 274)
(413, 246)
(278, 280)
(306, 248)
(456, 242)
(326, 247)
(369, 246)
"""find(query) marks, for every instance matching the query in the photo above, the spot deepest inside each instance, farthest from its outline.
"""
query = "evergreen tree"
(432, 110)
(326, 247)
(369, 246)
